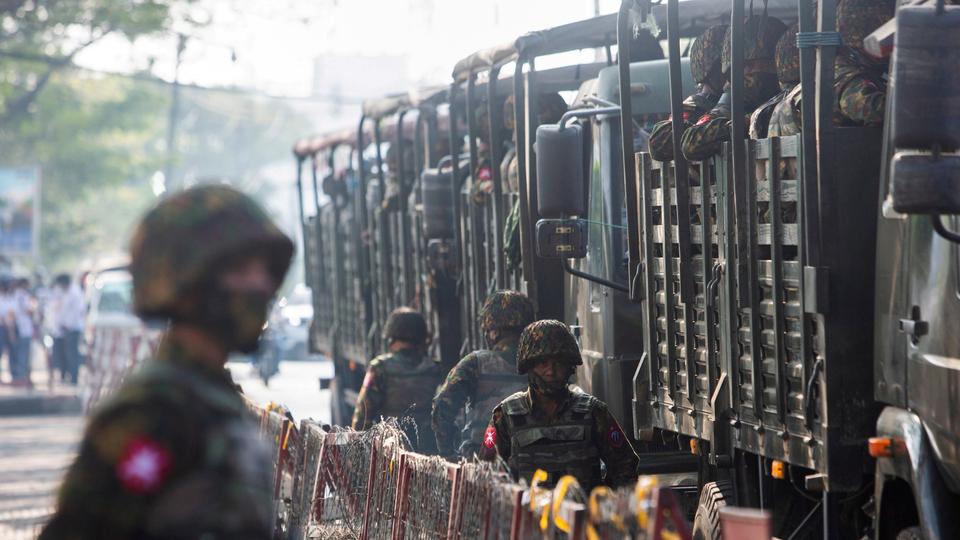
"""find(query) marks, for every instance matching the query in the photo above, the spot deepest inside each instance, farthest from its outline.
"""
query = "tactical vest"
(497, 378)
(566, 446)
(412, 382)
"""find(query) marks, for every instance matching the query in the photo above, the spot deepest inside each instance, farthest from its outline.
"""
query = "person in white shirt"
(23, 310)
(69, 324)
(7, 324)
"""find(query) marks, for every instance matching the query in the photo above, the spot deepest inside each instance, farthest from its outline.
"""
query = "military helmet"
(705, 52)
(506, 309)
(788, 56)
(405, 324)
(856, 19)
(760, 35)
(550, 108)
(547, 339)
(190, 234)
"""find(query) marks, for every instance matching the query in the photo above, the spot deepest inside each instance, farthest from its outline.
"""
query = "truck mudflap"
(915, 464)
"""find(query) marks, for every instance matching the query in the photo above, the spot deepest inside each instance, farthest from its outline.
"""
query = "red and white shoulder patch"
(368, 379)
(490, 437)
(704, 119)
(143, 466)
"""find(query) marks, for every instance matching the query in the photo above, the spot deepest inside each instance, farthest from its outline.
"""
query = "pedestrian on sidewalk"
(8, 330)
(69, 323)
(23, 312)
(174, 452)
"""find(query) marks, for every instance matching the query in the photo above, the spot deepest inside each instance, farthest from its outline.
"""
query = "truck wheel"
(713, 497)
(910, 533)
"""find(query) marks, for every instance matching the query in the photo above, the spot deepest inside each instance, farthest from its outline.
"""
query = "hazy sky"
(274, 42)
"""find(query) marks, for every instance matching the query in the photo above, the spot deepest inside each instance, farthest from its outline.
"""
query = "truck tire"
(910, 533)
(706, 522)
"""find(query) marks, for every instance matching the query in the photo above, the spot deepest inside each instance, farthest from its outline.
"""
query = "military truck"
(771, 320)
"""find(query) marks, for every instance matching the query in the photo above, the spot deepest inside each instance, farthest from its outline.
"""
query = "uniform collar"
(177, 353)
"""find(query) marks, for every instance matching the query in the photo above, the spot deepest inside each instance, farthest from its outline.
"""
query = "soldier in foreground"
(483, 378)
(549, 427)
(401, 382)
(174, 452)
(705, 67)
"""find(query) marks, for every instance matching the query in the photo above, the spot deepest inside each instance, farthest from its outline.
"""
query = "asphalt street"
(296, 386)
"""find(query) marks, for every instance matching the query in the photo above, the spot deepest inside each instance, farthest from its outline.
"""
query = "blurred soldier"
(760, 36)
(483, 378)
(549, 427)
(776, 114)
(174, 453)
(859, 85)
(705, 67)
(401, 383)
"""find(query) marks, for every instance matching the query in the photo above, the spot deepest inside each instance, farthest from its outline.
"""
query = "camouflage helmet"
(506, 309)
(405, 324)
(705, 52)
(187, 236)
(788, 56)
(856, 19)
(760, 36)
(546, 339)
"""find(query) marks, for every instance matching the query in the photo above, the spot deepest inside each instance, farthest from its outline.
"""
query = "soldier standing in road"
(552, 428)
(483, 378)
(705, 67)
(174, 453)
(401, 383)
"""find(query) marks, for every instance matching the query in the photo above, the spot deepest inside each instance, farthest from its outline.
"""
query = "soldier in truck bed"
(760, 36)
(552, 428)
(483, 378)
(705, 67)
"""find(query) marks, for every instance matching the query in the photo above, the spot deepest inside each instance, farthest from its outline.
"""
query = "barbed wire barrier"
(340, 484)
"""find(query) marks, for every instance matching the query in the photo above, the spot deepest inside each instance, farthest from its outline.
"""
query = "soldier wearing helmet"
(550, 427)
(483, 378)
(174, 452)
(705, 67)
(760, 36)
(787, 58)
(859, 82)
(401, 382)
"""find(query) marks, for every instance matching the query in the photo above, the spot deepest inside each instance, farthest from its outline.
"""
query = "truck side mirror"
(924, 183)
(560, 175)
(561, 239)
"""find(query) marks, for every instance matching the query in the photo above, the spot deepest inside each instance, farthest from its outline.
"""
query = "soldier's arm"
(450, 400)
(370, 399)
(862, 100)
(615, 449)
(661, 141)
(496, 440)
(128, 458)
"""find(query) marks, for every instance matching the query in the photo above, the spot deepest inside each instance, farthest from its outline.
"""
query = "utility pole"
(596, 8)
(174, 118)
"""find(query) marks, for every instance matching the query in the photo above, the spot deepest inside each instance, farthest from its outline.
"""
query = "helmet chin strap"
(550, 390)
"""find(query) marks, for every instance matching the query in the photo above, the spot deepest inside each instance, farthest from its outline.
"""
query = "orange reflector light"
(778, 469)
(886, 447)
(352, 365)
(693, 446)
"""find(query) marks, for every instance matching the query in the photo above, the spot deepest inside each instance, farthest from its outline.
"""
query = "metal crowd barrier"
(334, 483)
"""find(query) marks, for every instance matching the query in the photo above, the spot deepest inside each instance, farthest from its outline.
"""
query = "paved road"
(34, 451)
(296, 386)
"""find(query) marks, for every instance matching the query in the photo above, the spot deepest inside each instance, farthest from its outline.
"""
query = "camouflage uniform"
(706, 136)
(705, 66)
(574, 440)
(400, 384)
(860, 88)
(174, 453)
(482, 378)
(770, 115)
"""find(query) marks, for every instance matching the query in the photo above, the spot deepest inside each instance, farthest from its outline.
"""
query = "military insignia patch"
(615, 437)
(368, 379)
(143, 466)
(490, 437)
